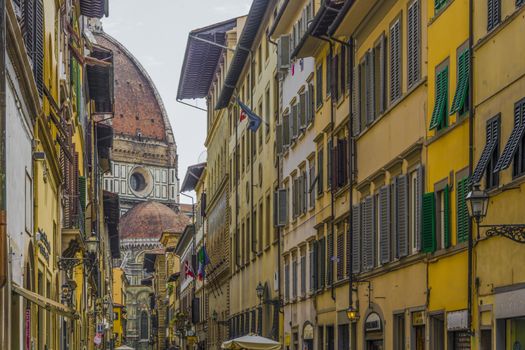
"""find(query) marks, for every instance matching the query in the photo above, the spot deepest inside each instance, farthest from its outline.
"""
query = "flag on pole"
(203, 261)
(188, 271)
(254, 121)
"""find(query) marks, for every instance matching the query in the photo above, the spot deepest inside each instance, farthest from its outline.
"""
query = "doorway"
(374, 345)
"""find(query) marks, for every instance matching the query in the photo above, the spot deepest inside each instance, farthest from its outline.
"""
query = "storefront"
(374, 332)
(509, 311)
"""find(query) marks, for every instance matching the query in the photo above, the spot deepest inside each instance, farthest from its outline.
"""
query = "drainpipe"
(471, 164)
(3, 144)
(352, 154)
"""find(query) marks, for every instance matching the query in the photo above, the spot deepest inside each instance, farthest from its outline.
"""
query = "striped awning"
(94, 8)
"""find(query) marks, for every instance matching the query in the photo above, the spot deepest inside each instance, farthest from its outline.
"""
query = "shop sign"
(457, 320)
(308, 332)
(287, 340)
(418, 318)
(28, 328)
(373, 323)
(43, 244)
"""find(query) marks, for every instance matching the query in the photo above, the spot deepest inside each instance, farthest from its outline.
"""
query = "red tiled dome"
(149, 220)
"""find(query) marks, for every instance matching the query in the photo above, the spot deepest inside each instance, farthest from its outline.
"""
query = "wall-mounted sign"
(308, 332)
(43, 244)
(418, 318)
(457, 320)
(373, 323)
(287, 339)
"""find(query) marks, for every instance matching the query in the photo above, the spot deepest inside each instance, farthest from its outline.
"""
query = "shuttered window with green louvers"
(460, 102)
(446, 217)
(462, 210)
(439, 114)
(428, 223)
(438, 4)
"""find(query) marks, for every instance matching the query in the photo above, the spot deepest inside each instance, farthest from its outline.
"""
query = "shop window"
(418, 330)
(437, 332)
(399, 332)
(485, 341)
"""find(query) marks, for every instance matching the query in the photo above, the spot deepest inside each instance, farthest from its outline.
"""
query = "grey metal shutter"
(320, 171)
(28, 26)
(370, 98)
(368, 233)
(294, 278)
(382, 75)
(491, 140)
(286, 281)
(420, 188)
(402, 215)
(356, 238)
(395, 61)
(348, 248)
(305, 192)
(303, 275)
(308, 116)
(355, 103)
(286, 131)
(311, 103)
(280, 207)
(414, 37)
(384, 224)
(493, 13)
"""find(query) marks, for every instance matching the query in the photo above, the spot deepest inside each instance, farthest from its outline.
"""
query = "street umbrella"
(124, 347)
(251, 342)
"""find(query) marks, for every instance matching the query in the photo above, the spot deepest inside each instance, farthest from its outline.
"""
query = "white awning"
(44, 302)
(251, 342)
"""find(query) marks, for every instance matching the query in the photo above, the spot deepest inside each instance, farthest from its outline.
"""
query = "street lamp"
(352, 314)
(260, 292)
(477, 203)
(91, 244)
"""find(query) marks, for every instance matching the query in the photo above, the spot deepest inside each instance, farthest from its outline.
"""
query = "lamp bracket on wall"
(513, 232)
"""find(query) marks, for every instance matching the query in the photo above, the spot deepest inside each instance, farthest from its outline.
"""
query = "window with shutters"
(32, 26)
(368, 234)
(384, 220)
(313, 181)
(493, 14)
(519, 154)
(330, 257)
(295, 121)
(335, 76)
(319, 85)
(460, 103)
(302, 111)
(428, 223)
(328, 73)
(267, 113)
(294, 277)
(268, 223)
(514, 150)
(439, 5)
(341, 163)
(395, 60)
(310, 105)
(489, 156)
(356, 238)
(439, 119)
(442, 218)
(304, 192)
(320, 171)
(361, 98)
(414, 43)
(342, 72)
(462, 215)
(329, 169)
(520, 3)
(314, 252)
(321, 263)
(303, 272)
(286, 130)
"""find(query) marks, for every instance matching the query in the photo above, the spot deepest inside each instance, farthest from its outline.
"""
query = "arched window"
(144, 326)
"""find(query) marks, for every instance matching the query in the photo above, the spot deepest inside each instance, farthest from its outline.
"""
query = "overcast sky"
(156, 32)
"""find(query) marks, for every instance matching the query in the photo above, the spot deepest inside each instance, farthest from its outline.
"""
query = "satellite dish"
(203, 157)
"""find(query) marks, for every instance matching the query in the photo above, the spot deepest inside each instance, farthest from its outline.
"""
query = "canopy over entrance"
(251, 342)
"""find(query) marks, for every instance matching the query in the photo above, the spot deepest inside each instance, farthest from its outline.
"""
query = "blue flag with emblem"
(254, 121)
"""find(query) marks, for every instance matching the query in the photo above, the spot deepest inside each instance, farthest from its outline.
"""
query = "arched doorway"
(308, 336)
(373, 331)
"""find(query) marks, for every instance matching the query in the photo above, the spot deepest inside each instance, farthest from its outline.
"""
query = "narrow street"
(262, 175)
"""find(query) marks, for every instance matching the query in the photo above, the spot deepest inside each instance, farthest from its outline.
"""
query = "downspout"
(3, 152)
(352, 154)
(471, 163)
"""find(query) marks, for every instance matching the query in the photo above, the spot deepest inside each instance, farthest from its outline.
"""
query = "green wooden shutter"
(439, 113)
(462, 210)
(446, 216)
(428, 223)
(462, 88)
